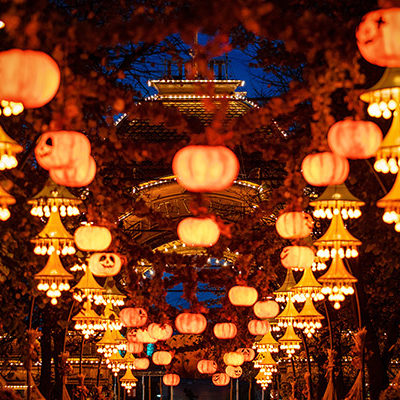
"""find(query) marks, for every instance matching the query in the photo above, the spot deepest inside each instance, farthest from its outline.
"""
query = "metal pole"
(262, 393)
(149, 387)
(237, 389)
(172, 393)
(143, 388)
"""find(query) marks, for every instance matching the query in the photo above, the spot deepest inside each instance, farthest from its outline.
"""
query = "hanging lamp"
(128, 381)
(53, 198)
(309, 318)
(111, 318)
(88, 321)
(284, 292)
(110, 343)
(54, 237)
(115, 363)
(267, 343)
(9, 148)
(337, 282)
(307, 287)
(337, 239)
(391, 204)
(265, 363)
(288, 316)
(263, 379)
(290, 342)
(5, 200)
(334, 200)
(112, 295)
(53, 278)
(88, 288)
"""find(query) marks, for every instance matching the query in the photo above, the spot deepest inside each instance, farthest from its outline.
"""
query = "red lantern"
(297, 257)
(191, 323)
(92, 238)
(247, 352)
(134, 347)
(62, 149)
(233, 372)
(160, 332)
(207, 366)
(78, 176)
(233, 358)
(323, 169)
(198, 232)
(258, 328)
(141, 363)
(205, 168)
(266, 309)
(28, 77)
(171, 380)
(242, 295)
(133, 317)
(294, 225)
(105, 264)
(220, 379)
(377, 37)
(225, 330)
(162, 357)
(355, 139)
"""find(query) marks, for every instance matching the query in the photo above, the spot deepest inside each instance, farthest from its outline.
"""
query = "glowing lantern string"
(285, 291)
(128, 381)
(54, 237)
(53, 278)
(88, 288)
(9, 148)
(290, 342)
(5, 200)
(88, 321)
(307, 287)
(309, 319)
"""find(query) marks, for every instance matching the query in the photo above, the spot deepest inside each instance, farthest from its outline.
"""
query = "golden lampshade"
(289, 315)
(88, 288)
(110, 343)
(391, 204)
(309, 318)
(290, 342)
(267, 343)
(307, 287)
(265, 362)
(5, 200)
(285, 291)
(115, 363)
(111, 318)
(112, 295)
(128, 381)
(9, 148)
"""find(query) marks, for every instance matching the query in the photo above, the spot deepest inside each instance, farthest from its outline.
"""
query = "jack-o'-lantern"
(233, 358)
(62, 149)
(134, 347)
(323, 169)
(162, 357)
(220, 379)
(105, 264)
(92, 238)
(377, 37)
(294, 225)
(171, 379)
(160, 332)
(141, 363)
(143, 336)
(78, 176)
(205, 168)
(242, 296)
(198, 232)
(247, 352)
(190, 323)
(258, 327)
(226, 330)
(133, 317)
(233, 372)
(266, 309)
(207, 366)
(297, 257)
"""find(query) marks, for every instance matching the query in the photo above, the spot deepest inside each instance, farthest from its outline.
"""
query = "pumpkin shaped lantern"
(160, 332)
(205, 168)
(258, 328)
(207, 366)
(266, 309)
(297, 257)
(92, 238)
(294, 225)
(190, 323)
(105, 264)
(225, 330)
(233, 372)
(76, 176)
(198, 232)
(220, 379)
(242, 296)
(133, 317)
(171, 379)
(247, 352)
(233, 358)
(134, 347)
(162, 357)
(141, 363)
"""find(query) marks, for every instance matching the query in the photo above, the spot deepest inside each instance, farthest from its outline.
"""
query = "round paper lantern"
(242, 295)
(198, 232)
(92, 238)
(62, 149)
(171, 379)
(141, 363)
(160, 332)
(220, 379)
(205, 168)
(190, 323)
(297, 257)
(105, 264)
(233, 372)
(294, 225)
(133, 317)
(81, 175)
(323, 169)
(257, 327)
(376, 37)
(355, 139)
(225, 330)
(233, 358)
(142, 336)
(247, 352)
(207, 366)
(134, 347)
(28, 77)
(266, 309)
(162, 357)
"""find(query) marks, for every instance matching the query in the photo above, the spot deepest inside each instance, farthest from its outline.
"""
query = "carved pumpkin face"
(294, 225)
(247, 352)
(78, 176)
(133, 317)
(160, 332)
(220, 379)
(233, 372)
(62, 149)
(105, 264)
(207, 366)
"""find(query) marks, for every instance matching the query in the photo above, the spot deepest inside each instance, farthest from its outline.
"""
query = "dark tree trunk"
(45, 371)
(58, 337)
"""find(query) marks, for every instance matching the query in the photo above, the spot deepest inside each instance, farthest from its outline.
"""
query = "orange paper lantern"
(162, 357)
(220, 379)
(354, 139)
(92, 238)
(105, 264)
(323, 169)
(141, 363)
(77, 176)
(171, 380)
(225, 330)
(258, 328)
(143, 336)
(207, 366)
(134, 347)
(294, 225)
(190, 323)
(297, 257)
(266, 309)
(377, 37)
(205, 168)
(233, 372)
(242, 296)
(198, 232)
(28, 77)
(133, 317)
(233, 358)
(160, 332)
(247, 352)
